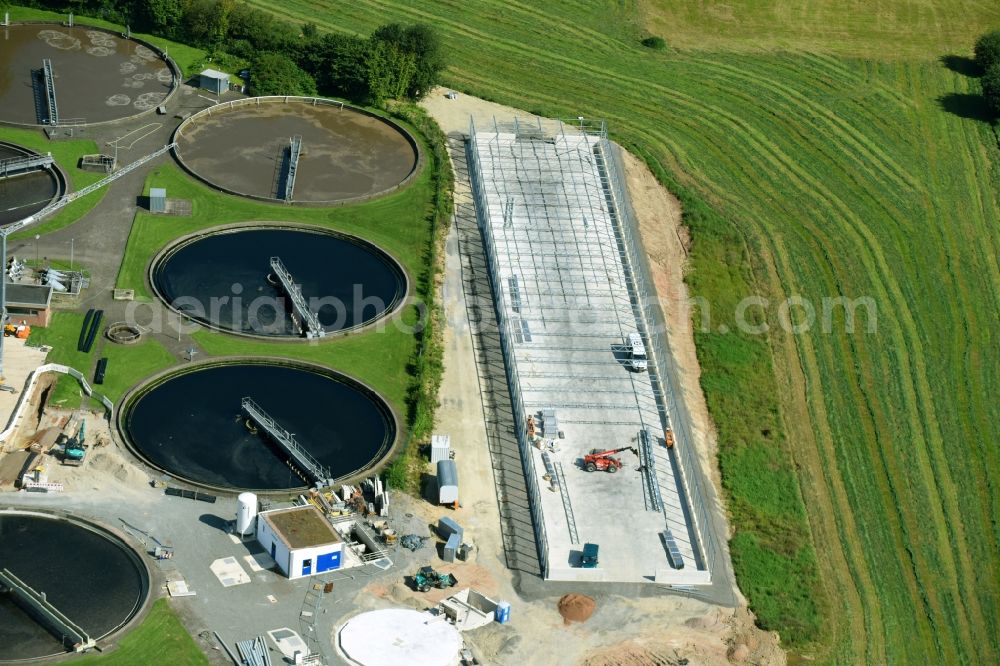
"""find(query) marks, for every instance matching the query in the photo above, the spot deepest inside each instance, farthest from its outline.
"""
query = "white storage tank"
(246, 513)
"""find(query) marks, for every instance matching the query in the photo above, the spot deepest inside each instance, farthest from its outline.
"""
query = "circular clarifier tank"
(192, 424)
(24, 194)
(246, 148)
(98, 76)
(88, 574)
(225, 279)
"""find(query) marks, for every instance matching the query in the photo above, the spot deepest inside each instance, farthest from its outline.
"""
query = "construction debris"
(412, 542)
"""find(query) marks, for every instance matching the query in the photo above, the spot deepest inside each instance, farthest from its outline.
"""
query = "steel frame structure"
(568, 275)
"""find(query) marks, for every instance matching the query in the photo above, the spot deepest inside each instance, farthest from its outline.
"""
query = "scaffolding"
(561, 264)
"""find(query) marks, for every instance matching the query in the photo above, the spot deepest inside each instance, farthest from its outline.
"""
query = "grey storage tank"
(447, 477)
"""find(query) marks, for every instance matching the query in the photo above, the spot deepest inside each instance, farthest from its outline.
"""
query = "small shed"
(447, 477)
(300, 540)
(31, 303)
(214, 81)
(440, 448)
(157, 200)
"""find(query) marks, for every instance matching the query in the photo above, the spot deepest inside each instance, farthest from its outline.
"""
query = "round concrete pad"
(398, 636)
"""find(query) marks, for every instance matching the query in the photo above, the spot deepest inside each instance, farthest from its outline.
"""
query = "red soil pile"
(576, 608)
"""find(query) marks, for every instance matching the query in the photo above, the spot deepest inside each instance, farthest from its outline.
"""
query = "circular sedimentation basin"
(224, 279)
(25, 194)
(99, 76)
(191, 424)
(89, 575)
(244, 147)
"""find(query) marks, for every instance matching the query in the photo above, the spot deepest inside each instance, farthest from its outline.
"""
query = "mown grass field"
(860, 469)
(160, 635)
(890, 30)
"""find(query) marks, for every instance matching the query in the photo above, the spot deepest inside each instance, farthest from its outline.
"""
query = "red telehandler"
(605, 460)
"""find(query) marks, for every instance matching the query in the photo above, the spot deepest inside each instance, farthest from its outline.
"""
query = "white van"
(637, 352)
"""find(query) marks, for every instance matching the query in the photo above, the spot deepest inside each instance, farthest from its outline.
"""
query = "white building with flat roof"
(300, 540)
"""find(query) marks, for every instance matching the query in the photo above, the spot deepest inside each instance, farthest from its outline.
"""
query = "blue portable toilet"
(502, 613)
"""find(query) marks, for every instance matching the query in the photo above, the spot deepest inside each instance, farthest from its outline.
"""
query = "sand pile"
(576, 608)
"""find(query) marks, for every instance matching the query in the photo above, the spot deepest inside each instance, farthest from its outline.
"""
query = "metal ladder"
(567, 505)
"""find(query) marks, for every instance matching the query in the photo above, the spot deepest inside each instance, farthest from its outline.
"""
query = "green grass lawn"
(67, 155)
(860, 469)
(160, 638)
(127, 364)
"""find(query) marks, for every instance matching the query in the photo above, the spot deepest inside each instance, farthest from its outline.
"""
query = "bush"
(276, 74)
(987, 50)
(655, 43)
(991, 88)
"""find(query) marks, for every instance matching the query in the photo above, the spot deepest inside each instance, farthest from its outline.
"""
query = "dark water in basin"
(193, 426)
(87, 576)
(26, 194)
(222, 280)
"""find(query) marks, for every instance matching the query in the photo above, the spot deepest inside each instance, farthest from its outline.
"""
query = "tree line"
(987, 52)
(394, 62)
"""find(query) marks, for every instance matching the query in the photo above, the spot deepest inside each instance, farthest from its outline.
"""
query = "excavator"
(605, 460)
(73, 451)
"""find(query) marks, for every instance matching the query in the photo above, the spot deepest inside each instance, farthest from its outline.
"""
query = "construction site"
(241, 479)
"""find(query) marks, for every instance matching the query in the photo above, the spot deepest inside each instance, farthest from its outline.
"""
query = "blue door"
(307, 567)
(274, 550)
(328, 562)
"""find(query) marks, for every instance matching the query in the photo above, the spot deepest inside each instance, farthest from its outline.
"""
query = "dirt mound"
(576, 607)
